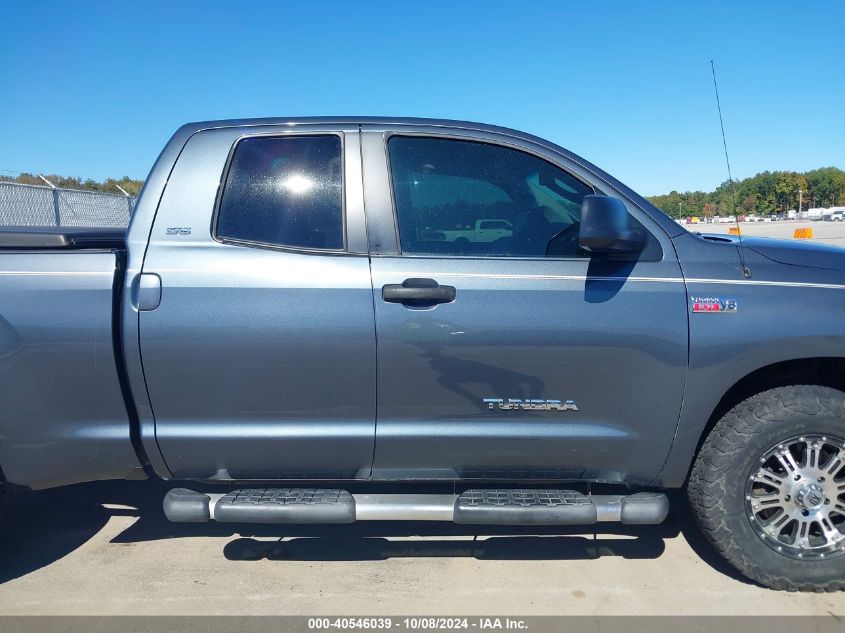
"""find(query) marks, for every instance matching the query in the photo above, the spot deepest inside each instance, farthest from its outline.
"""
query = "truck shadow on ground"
(44, 527)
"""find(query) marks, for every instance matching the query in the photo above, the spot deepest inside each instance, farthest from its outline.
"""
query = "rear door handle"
(418, 293)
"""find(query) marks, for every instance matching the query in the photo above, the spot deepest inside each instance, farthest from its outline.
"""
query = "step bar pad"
(524, 507)
(285, 505)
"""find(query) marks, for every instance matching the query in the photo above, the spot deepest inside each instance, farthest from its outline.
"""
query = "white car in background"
(483, 231)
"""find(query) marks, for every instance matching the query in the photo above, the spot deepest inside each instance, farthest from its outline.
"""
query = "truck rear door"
(256, 308)
(521, 357)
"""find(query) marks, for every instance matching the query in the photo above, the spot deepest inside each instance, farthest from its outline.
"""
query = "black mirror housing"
(607, 227)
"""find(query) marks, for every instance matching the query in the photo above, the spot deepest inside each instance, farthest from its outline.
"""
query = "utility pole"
(800, 193)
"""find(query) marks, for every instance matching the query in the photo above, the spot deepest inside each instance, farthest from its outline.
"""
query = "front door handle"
(418, 293)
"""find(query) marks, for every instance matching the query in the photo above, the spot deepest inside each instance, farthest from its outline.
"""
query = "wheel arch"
(826, 371)
(822, 371)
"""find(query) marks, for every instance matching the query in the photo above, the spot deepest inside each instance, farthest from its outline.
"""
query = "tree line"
(109, 185)
(767, 193)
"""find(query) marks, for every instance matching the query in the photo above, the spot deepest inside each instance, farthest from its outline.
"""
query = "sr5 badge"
(719, 305)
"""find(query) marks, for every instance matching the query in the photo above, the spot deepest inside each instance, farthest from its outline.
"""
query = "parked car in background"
(486, 230)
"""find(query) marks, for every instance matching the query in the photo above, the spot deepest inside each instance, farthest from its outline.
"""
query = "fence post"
(55, 199)
(56, 206)
(129, 207)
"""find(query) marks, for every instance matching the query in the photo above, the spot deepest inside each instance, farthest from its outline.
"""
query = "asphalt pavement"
(106, 548)
(825, 232)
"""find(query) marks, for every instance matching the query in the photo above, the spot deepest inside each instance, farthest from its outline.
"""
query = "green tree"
(766, 193)
(131, 186)
(826, 186)
(788, 184)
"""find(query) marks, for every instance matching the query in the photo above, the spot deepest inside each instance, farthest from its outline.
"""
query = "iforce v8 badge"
(711, 305)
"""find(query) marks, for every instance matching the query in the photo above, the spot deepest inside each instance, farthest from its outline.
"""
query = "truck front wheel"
(768, 488)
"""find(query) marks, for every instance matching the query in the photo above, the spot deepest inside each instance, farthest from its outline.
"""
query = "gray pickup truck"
(285, 318)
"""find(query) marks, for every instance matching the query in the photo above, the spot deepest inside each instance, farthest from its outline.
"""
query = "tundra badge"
(513, 404)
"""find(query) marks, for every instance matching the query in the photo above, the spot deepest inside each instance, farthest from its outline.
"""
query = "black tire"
(732, 452)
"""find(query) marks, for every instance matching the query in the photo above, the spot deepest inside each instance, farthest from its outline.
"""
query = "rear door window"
(284, 191)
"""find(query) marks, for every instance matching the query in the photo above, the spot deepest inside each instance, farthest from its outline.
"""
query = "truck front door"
(520, 357)
(259, 357)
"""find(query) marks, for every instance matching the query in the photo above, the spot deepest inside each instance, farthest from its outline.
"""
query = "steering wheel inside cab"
(565, 243)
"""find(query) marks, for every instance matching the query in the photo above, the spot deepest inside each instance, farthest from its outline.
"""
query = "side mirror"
(607, 227)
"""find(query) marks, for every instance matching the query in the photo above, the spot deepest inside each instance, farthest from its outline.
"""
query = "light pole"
(800, 194)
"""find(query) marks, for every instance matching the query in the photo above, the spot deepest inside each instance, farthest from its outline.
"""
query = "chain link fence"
(34, 205)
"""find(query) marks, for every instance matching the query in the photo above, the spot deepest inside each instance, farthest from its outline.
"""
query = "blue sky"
(95, 89)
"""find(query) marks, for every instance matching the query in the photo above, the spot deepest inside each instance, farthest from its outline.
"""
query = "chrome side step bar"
(399, 507)
(472, 507)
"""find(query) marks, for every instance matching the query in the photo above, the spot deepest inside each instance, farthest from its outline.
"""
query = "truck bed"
(60, 237)
(64, 414)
